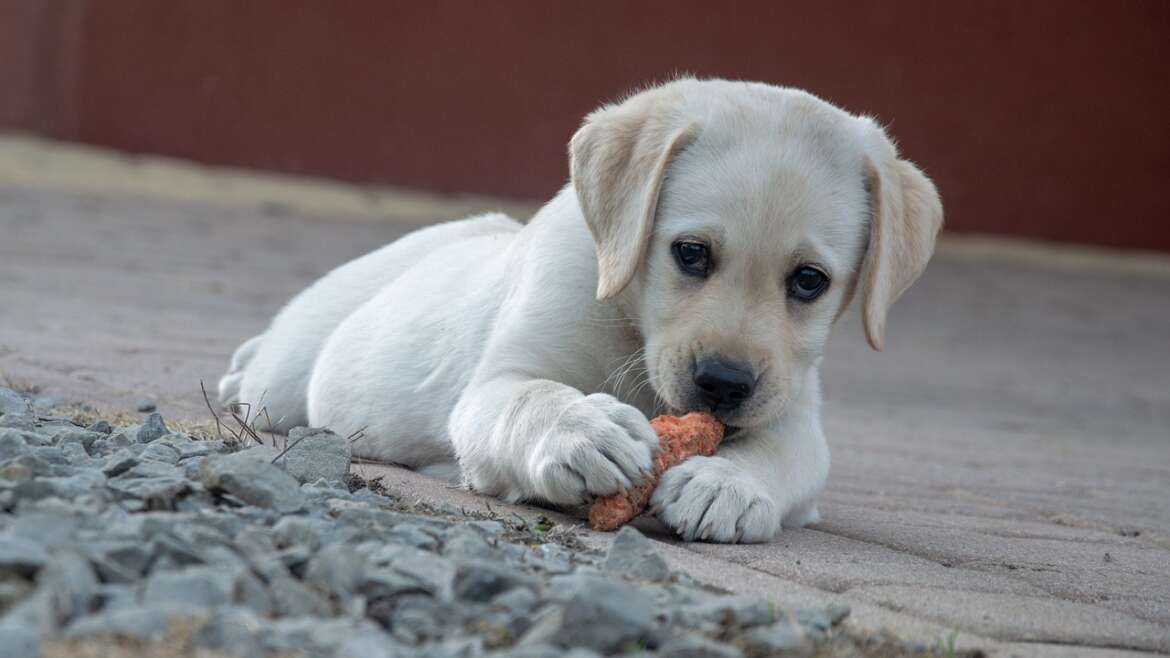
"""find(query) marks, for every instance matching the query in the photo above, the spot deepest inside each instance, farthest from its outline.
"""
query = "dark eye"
(807, 283)
(694, 258)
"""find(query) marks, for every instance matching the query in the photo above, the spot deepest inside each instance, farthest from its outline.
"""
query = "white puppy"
(712, 234)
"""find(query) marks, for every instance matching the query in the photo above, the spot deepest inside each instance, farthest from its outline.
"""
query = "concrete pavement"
(1003, 469)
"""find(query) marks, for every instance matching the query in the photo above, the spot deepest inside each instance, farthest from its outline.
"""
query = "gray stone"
(369, 644)
(818, 621)
(118, 561)
(199, 587)
(518, 601)
(76, 455)
(175, 549)
(300, 531)
(13, 590)
(291, 598)
(516, 555)
(147, 621)
(124, 438)
(152, 428)
(409, 534)
(66, 488)
(152, 469)
(462, 647)
(546, 650)
(250, 592)
(378, 584)
(120, 462)
(315, 454)
(189, 448)
(336, 568)
(696, 646)
(232, 631)
(145, 406)
(79, 436)
(192, 469)
(55, 458)
(13, 444)
(101, 448)
(415, 618)
(110, 596)
(602, 614)
(736, 611)
(208, 587)
(632, 554)
(101, 427)
(34, 611)
(553, 558)
(837, 613)
(71, 583)
(545, 628)
(465, 542)
(156, 523)
(21, 555)
(314, 636)
(783, 636)
(480, 581)
(13, 403)
(50, 425)
(50, 525)
(18, 422)
(490, 530)
(435, 574)
(251, 477)
(37, 466)
(160, 452)
(19, 641)
(15, 470)
(156, 493)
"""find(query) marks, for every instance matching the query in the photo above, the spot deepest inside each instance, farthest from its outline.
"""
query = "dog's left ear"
(618, 159)
(906, 217)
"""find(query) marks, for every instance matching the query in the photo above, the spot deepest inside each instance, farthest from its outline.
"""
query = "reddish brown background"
(1038, 118)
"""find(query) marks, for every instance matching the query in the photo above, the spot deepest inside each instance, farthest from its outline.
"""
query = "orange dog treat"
(680, 437)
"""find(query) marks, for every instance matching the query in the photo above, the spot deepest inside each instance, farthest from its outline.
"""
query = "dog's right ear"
(618, 159)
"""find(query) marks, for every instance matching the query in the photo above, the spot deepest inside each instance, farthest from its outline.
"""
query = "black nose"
(723, 385)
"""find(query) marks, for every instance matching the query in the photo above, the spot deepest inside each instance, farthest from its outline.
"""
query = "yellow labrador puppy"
(712, 233)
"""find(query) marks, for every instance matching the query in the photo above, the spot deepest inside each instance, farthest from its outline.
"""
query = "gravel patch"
(148, 541)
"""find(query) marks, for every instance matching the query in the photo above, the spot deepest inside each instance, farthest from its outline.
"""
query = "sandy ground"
(1002, 469)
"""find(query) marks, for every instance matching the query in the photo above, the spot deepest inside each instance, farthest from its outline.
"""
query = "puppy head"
(735, 221)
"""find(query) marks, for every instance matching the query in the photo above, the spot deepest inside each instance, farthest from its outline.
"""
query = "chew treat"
(680, 437)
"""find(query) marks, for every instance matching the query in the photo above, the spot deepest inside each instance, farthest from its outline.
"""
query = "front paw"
(711, 499)
(598, 446)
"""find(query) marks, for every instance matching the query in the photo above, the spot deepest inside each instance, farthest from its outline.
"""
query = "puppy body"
(527, 359)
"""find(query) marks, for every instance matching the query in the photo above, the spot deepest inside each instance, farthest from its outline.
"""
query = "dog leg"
(533, 439)
(229, 384)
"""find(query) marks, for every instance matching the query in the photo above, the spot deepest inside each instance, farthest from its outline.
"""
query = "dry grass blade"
(245, 428)
(207, 401)
(271, 432)
(289, 446)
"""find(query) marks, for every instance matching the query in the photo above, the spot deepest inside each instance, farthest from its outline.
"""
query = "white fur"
(527, 359)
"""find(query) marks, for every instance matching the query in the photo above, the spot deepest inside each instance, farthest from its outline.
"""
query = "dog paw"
(711, 499)
(597, 447)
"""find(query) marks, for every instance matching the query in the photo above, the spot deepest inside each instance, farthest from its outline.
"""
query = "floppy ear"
(618, 159)
(907, 216)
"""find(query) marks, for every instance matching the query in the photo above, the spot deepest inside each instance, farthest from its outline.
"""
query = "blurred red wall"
(1037, 118)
